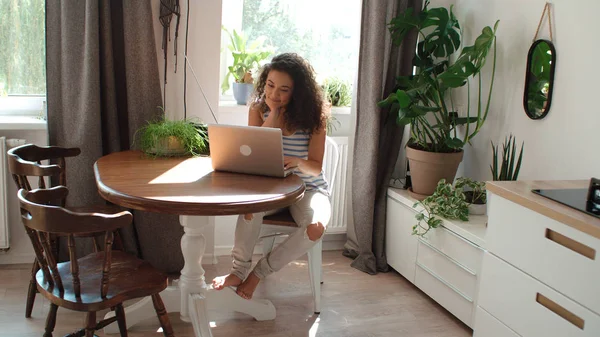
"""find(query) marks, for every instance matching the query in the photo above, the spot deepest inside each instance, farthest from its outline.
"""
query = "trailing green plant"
(192, 135)
(332, 124)
(337, 91)
(246, 58)
(474, 190)
(507, 169)
(447, 201)
(424, 99)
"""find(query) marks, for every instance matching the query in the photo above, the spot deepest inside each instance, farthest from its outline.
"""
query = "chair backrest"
(331, 145)
(26, 161)
(43, 220)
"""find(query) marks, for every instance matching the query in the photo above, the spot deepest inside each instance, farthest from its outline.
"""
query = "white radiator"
(4, 233)
(338, 222)
(5, 144)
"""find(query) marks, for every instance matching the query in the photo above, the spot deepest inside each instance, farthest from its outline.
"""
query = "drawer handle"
(560, 311)
(571, 244)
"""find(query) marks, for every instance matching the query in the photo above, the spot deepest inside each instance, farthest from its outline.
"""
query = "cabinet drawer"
(400, 244)
(447, 297)
(456, 275)
(554, 253)
(460, 250)
(487, 325)
(529, 307)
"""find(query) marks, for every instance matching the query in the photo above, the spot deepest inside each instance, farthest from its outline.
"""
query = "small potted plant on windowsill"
(246, 59)
(337, 92)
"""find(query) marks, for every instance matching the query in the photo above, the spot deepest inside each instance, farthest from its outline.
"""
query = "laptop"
(247, 149)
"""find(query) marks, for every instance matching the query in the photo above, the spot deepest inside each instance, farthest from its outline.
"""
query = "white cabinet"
(558, 255)
(401, 252)
(540, 274)
(445, 263)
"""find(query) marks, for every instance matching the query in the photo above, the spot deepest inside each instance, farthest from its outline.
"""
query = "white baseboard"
(8, 258)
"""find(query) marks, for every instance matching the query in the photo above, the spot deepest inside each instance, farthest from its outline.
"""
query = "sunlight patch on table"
(186, 172)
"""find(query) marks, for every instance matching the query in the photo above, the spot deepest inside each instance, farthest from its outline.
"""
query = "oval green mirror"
(539, 79)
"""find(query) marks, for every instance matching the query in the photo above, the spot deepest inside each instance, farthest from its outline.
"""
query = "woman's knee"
(248, 216)
(315, 231)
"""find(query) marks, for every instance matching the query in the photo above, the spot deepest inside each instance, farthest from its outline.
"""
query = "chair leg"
(163, 317)
(314, 268)
(120, 313)
(32, 289)
(268, 243)
(51, 320)
(90, 324)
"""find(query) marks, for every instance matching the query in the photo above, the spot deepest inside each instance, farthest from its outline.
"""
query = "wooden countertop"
(520, 192)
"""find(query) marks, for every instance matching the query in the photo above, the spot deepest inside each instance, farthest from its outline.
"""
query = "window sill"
(229, 107)
(22, 123)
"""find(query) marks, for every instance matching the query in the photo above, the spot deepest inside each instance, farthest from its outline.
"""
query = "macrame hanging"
(167, 9)
(537, 31)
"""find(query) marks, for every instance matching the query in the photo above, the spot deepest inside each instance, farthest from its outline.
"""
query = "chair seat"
(129, 278)
(283, 218)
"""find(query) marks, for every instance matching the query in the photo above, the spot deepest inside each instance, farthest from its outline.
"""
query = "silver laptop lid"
(246, 149)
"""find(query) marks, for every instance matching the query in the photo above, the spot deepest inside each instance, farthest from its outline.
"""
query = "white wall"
(20, 250)
(563, 145)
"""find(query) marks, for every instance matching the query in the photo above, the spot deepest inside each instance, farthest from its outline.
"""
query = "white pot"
(475, 209)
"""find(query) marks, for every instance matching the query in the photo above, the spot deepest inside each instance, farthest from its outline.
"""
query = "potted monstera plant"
(424, 100)
(246, 59)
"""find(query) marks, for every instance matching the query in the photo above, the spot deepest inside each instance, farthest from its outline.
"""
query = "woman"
(289, 98)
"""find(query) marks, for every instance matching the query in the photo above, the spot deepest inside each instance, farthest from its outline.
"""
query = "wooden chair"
(92, 283)
(283, 223)
(25, 162)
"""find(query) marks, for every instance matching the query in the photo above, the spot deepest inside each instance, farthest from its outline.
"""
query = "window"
(330, 45)
(22, 57)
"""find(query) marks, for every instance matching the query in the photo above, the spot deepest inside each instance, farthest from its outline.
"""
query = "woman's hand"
(290, 162)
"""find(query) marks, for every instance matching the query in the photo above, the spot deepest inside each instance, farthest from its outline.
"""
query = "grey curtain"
(103, 84)
(378, 138)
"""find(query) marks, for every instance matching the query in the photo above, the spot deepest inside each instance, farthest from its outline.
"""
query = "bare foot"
(229, 280)
(246, 289)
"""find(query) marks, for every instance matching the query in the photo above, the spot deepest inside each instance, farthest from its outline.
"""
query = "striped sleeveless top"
(296, 145)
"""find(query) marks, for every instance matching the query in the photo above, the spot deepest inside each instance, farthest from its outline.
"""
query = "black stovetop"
(575, 198)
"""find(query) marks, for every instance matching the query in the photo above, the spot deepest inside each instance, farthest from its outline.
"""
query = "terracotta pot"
(427, 168)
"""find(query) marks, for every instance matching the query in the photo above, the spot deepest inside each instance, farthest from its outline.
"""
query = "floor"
(354, 304)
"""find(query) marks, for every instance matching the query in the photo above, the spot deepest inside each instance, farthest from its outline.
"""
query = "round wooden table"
(189, 187)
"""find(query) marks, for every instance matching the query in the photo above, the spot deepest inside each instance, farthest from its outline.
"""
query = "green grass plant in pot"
(424, 100)
(166, 138)
(246, 59)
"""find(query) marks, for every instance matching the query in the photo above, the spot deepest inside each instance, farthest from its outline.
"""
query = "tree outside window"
(23, 50)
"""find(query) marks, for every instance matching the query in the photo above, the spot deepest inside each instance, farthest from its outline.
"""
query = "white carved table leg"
(191, 296)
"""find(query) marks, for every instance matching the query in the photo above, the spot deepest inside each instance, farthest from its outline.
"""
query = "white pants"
(312, 208)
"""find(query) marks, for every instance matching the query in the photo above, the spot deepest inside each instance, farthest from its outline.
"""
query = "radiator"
(5, 144)
(4, 233)
(338, 223)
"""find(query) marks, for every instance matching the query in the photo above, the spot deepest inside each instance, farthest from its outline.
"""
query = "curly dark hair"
(306, 109)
